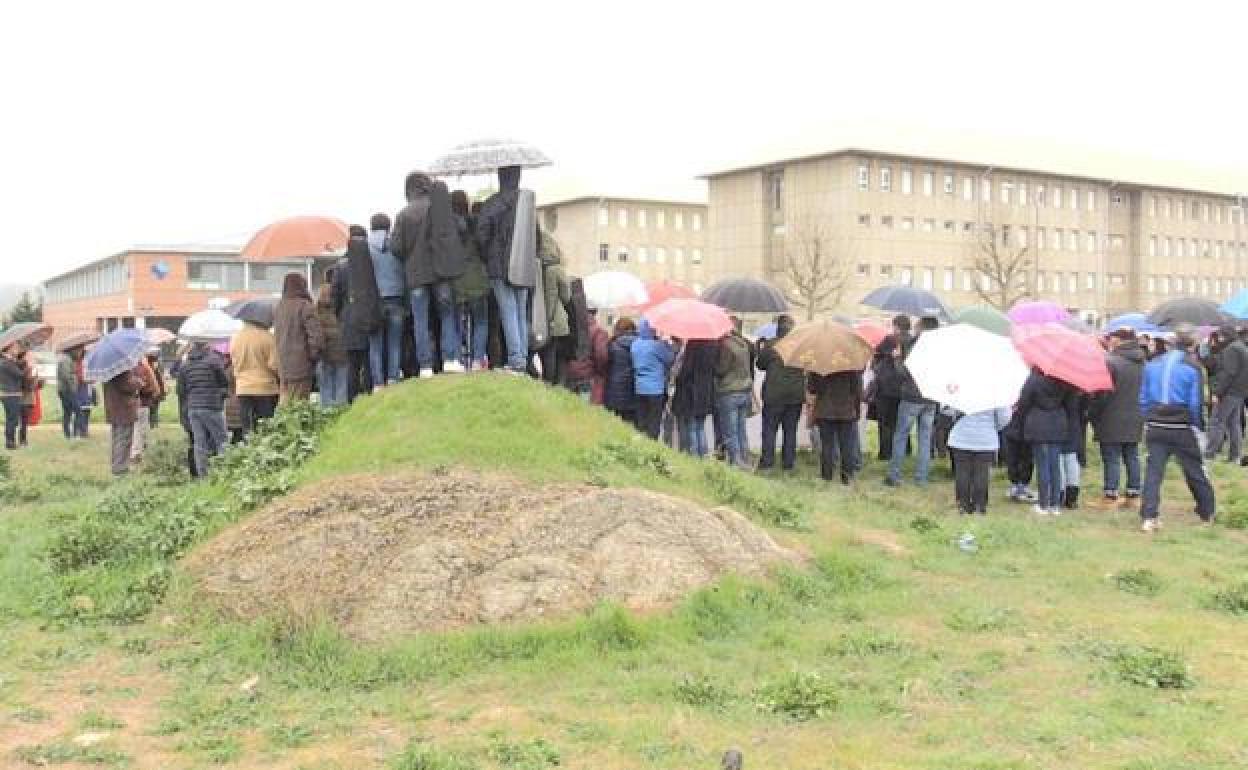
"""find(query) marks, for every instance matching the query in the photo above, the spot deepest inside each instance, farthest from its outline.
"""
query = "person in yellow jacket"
(253, 351)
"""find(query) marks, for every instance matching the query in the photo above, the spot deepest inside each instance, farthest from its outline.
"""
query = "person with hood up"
(203, 387)
(385, 344)
(357, 307)
(1172, 401)
(334, 370)
(506, 232)
(1046, 406)
(1117, 419)
(299, 339)
(694, 397)
(973, 443)
(652, 360)
(557, 294)
(586, 373)
(1230, 389)
(838, 404)
(472, 289)
(621, 386)
(426, 239)
(734, 394)
(784, 393)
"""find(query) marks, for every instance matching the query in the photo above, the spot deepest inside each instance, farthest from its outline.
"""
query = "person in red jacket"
(586, 373)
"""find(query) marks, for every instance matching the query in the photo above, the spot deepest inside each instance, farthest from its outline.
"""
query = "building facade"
(1096, 246)
(158, 287)
(653, 239)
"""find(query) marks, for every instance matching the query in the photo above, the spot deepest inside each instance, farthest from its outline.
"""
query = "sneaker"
(1150, 525)
(891, 482)
(1133, 494)
(1040, 510)
(426, 374)
(452, 367)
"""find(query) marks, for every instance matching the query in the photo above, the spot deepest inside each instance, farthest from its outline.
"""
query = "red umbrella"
(1064, 354)
(661, 291)
(297, 237)
(873, 332)
(689, 319)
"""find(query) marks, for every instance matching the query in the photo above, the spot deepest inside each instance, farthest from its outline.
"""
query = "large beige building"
(1096, 245)
(653, 239)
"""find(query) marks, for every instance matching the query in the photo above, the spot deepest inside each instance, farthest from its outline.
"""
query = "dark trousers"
(886, 414)
(12, 419)
(1048, 459)
(69, 414)
(650, 415)
(783, 417)
(1019, 463)
(1113, 458)
(359, 374)
(971, 472)
(254, 409)
(28, 410)
(627, 415)
(838, 440)
(1182, 443)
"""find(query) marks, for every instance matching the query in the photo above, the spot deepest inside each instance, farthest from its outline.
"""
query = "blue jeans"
(385, 346)
(209, 436)
(693, 436)
(513, 307)
(477, 313)
(1113, 457)
(1048, 474)
(731, 412)
(444, 298)
(909, 412)
(333, 382)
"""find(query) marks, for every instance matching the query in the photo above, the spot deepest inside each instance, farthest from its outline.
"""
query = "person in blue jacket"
(1172, 402)
(652, 360)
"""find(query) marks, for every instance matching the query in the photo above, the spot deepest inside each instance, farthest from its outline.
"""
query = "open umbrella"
(1237, 305)
(258, 311)
(689, 319)
(486, 156)
(661, 291)
(967, 368)
(1137, 322)
(873, 332)
(297, 237)
(611, 289)
(210, 325)
(77, 340)
(116, 352)
(746, 295)
(824, 347)
(1075, 323)
(907, 300)
(1037, 312)
(1188, 310)
(1064, 354)
(985, 317)
(767, 331)
(158, 336)
(32, 334)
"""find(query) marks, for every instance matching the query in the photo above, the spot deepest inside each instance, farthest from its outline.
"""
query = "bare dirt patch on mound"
(385, 556)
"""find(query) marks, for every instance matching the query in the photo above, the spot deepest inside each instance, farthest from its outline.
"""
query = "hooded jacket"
(592, 367)
(391, 284)
(1232, 374)
(298, 332)
(332, 351)
(1116, 415)
(1171, 394)
(555, 285)
(121, 398)
(356, 299)
(425, 237)
(652, 359)
(202, 383)
(474, 283)
(837, 396)
(734, 368)
(496, 223)
(784, 385)
(1046, 405)
(621, 393)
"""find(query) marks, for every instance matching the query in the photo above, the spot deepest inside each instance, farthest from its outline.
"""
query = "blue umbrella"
(1137, 322)
(1237, 305)
(117, 352)
(766, 331)
(907, 300)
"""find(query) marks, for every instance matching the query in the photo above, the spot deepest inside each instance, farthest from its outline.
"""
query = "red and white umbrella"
(689, 319)
(1064, 354)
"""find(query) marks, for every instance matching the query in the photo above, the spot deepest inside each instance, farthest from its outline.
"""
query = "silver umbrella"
(487, 156)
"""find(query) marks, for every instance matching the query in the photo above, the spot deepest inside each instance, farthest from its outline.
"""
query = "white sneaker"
(452, 367)
(426, 374)
(1055, 511)
(1040, 511)
(1150, 525)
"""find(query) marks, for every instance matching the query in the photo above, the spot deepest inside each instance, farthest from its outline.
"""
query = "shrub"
(1146, 666)
(798, 696)
(20, 488)
(637, 454)
(1233, 600)
(259, 469)
(6, 467)
(775, 508)
(866, 643)
(533, 755)
(164, 462)
(703, 692)
(1141, 582)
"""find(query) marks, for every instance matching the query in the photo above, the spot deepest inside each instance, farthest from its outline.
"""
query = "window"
(1165, 212)
(1055, 241)
(948, 183)
(660, 219)
(1152, 205)
(968, 188)
(1204, 286)
(886, 220)
(863, 270)
(1116, 242)
(697, 222)
(1180, 247)
(1057, 197)
(622, 254)
(1005, 235)
(929, 225)
(1217, 214)
(1022, 236)
(641, 218)
(1091, 196)
(1072, 283)
(864, 220)
(1074, 198)
(886, 271)
(1165, 284)
(214, 276)
(1165, 246)
(1152, 285)
(968, 227)
(551, 218)
(947, 283)
(268, 276)
(1217, 250)
(950, 226)
(886, 179)
(604, 216)
(678, 256)
(968, 281)
(1040, 278)
(985, 190)
(907, 181)
(1180, 208)
(621, 217)
(907, 223)
(1039, 237)
(1090, 244)
(1191, 285)
(604, 252)
(1056, 285)
(1117, 199)
(678, 220)
(1007, 189)
(929, 277)
(1039, 195)
(1089, 281)
(864, 177)
(929, 181)
(1072, 240)
(696, 256)
(1152, 246)
(775, 181)
(1204, 211)
(907, 276)
(643, 255)
(1022, 193)
(1117, 279)
(660, 255)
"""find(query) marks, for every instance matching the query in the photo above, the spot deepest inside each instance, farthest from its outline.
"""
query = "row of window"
(1053, 282)
(1195, 210)
(1010, 191)
(1165, 246)
(239, 276)
(644, 254)
(643, 218)
(1053, 238)
(109, 278)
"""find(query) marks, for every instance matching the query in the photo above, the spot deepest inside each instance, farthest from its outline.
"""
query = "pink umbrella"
(689, 319)
(662, 291)
(1038, 312)
(1064, 354)
(873, 332)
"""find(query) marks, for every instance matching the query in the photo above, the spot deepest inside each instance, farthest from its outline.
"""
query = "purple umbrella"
(1038, 312)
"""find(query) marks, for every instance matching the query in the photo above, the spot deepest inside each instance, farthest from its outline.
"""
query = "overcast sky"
(141, 122)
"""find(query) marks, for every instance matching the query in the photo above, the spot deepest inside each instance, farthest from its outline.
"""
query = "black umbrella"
(746, 295)
(1188, 310)
(257, 311)
(907, 300)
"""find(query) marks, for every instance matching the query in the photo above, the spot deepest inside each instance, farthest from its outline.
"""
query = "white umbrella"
(612, 289)
(487, 156)
(210, 325)
(967, 368)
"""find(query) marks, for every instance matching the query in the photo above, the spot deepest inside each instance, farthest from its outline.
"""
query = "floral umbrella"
(824, 347)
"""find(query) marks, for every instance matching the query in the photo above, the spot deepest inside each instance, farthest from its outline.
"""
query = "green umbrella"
(985, 317)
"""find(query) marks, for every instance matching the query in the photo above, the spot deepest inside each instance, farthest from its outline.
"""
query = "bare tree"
(816, 265)
(1000, 269)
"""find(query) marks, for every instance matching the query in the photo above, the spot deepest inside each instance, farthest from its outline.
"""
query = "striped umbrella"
(1064, 354)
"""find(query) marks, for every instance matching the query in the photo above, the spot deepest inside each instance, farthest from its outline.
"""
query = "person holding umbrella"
(912, 410)
(67, 384)
(652, 360)
(784, 390)
(694, 397)
(253, 351)
(838, 403)
(1116, 417)
(1047, 406)
(114, 360)
(507, 234)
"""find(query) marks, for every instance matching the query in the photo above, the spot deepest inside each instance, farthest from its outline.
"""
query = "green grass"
(1075, 642)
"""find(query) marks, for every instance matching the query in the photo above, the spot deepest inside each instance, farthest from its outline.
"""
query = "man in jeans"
(912, 409)
(1117, 419)
(734, 393)
(1230, 387)
(202, 386)
(385, 346)
(784, 392)
(1172, 403)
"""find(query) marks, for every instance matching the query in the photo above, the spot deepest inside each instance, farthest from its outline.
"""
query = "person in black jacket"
(913, 410)
(621, 395)
(202, 387)
(884, 395)
(357, 306)
(784, 394)
(1045, 406)
(694, 398)
(1230, 388)
(1117, 419)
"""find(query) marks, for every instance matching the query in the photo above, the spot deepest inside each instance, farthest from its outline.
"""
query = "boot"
(1071, 498)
